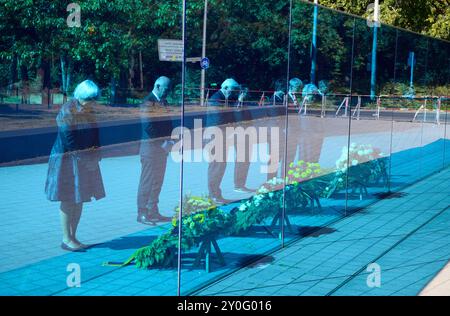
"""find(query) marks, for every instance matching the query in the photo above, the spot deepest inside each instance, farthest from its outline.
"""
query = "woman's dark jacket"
(73, 167)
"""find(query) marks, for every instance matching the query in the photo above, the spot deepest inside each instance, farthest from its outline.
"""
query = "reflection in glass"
(153, 152)
(74, 174)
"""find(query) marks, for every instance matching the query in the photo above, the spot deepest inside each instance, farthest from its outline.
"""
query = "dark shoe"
(243, 190)
(160, 218)
(83, 246)
(144, 219)
(66, 247)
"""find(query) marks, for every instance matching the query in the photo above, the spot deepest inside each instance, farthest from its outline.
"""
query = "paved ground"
(32, 263)
(440, 285)
(407, 236)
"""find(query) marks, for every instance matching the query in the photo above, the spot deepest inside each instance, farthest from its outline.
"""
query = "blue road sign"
(204, 63)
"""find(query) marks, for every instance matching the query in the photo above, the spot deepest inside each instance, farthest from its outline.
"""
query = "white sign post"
(170, 50)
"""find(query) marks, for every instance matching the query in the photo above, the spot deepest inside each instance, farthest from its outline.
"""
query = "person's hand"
(167, 145)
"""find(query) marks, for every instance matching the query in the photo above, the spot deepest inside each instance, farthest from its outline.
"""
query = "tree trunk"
(63, 75)
(123, 87)
(141, 74)
(45, 73)
(68, 77)
(131, 70)
(113, 89)
(25, 83)
(13, 74)
(66, 68)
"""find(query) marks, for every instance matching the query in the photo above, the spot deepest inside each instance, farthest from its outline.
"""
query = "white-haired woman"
(73, 170)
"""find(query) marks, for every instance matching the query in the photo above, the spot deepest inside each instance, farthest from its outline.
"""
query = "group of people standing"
(74, 175)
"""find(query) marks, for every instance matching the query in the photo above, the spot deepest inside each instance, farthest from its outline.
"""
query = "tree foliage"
(429, 17)
(247, 40)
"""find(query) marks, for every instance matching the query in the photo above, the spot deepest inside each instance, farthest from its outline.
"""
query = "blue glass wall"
(281, 137)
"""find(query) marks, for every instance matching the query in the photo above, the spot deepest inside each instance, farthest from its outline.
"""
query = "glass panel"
(434, 128)
(412, 60)
(407, 151)
(231, 214)
(371, 127)
(89, 110)
(60, 148)
(318, 124)
(446, 109)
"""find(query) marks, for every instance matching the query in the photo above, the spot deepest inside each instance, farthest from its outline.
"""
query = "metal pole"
(411, 79)
(183, 83)
(348, 100)
(286, 126)
(395, 58)
(203, 74)
(373, 79)
(314, 44)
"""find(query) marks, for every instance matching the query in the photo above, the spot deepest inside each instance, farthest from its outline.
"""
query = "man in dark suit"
(228, 95)
(153, 151)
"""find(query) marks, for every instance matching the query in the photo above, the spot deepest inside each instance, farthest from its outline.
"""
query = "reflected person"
(244, 150)
(276, 119)
(293, 138)
(228, 93)
(74, 174)
(279, 93)
(216, 168)
(310, 92)
(154, 151)
(295, 88)
(324, 87)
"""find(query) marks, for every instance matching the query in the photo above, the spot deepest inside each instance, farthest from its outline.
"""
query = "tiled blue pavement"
(406, 236)
(316, 264)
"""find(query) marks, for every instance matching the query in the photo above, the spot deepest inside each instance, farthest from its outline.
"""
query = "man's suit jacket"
(218, 99)
(150, 127)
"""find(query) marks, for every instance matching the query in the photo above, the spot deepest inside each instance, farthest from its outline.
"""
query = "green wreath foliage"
(203, 219)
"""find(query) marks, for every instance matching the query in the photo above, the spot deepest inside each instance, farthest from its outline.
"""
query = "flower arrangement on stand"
(306, 184)
(265, 204)
(201, 219)
(364, 166)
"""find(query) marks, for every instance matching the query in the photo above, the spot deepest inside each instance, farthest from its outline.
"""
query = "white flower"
(263, 190)
(242, 207)
(354, 162)
(259, 197)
